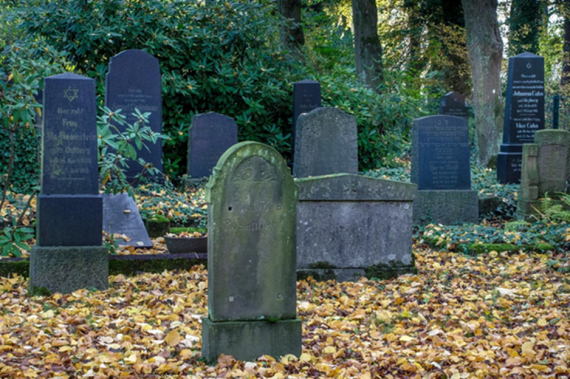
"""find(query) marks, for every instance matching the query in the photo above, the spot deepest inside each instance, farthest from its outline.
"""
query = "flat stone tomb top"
(121, 216)
(251, 236)
(326, 143)
(524, 107)
(69, 159)
(210, 135)
(440, 153)
(350, 187)
(134, 81)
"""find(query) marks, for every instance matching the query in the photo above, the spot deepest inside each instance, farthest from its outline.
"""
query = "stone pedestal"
(349, 223)
(248, 340)
(68, 268)
(446, 207)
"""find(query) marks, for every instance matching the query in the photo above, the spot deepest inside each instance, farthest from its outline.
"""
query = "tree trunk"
(366, 42)
(291, 30)
(524, 26)
(485, 54)
(565, 76)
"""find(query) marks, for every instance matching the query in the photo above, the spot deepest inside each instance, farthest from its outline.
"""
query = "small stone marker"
(454, 104)
(440, 167)
(68, 254)
(350, 226)
(251, 256)
(326, 143)
(545, 169)
(210, 135)
(133, 81)
(524, 113)
(121, 216)
(306, 97)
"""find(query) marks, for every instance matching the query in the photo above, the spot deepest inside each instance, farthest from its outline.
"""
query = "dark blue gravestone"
(209, 136)
(68, 254)
(133, 81)
(306, 97)
(440, 153)
(454, 104)
(524, 113)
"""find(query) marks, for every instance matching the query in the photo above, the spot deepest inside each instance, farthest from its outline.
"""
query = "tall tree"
(485, 48)
(291, 31)
(565, 12)
(368, 49)
(524, 26)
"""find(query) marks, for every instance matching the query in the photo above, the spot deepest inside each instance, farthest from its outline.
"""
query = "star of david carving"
(70, 93)
(528, 65)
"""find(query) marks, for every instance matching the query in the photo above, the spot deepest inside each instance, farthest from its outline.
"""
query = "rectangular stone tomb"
(121, 216)
(524, 113)
(251, 199)
(350, 226)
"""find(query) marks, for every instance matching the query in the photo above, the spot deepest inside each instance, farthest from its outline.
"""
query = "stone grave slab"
(134, 82)
(251, 231)
(306, 97)
(524, 113)
(121, 216)
(326, 143)
(210, 135)
(68, 254)
(350, 225)
(454, 104)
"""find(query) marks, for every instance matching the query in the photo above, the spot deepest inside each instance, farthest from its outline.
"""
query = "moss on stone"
(179, 230)
(321, 265)
(8, 268)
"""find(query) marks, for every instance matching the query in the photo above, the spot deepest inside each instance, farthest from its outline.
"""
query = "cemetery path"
(496, 315)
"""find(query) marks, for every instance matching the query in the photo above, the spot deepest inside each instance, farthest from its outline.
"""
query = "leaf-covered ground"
(489, 316)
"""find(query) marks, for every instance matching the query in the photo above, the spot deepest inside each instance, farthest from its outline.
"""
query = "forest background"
(385, 62)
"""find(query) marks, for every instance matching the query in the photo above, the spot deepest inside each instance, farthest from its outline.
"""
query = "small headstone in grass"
(134, 82)
(524, 113)
(440, 167)
(454, 104)
(251, 256)
(209, 136)
(68, 254)
(326, 143)
(121, 216)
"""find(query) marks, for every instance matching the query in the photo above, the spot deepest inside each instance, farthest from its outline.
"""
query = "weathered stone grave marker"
(306, 97)
(68, 254)
(251, 256)
(121, 216)
(326, 143)
(524, 113)
(454, 104)
(440, 167)
(209, 136)
(345, 222)
(545, 169)
(133, 81)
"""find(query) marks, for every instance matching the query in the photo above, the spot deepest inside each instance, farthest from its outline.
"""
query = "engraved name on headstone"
(454, 104)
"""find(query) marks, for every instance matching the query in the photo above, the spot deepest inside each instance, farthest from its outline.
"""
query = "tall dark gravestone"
(210, 135)
(134, 82)
(524, 113)
(326, 143)
(454, 104)
(306, 97)
(440, 168)
(252, 311)
(68, 254)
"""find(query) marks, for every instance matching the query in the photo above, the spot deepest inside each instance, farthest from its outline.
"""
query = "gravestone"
(121, 216)
(524, 113)
(350, 226)
(251, 256)
(68, 254)
(454, 104)
(306, 97)
(209, 136)
(326, 143)
(440, 167)
(133, 82)
(545, 169)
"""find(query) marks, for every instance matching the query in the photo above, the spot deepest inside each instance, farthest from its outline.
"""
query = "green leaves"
(12, 238)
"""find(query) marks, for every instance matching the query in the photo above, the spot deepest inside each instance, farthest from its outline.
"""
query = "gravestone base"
(446, 207)
(249, 340)
(509, 164)
(68, 268)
